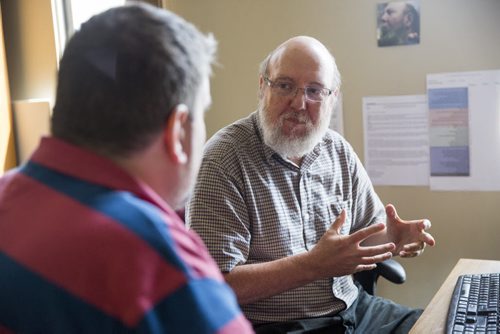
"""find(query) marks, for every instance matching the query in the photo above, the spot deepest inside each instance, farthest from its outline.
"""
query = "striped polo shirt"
(251, 206)
(86, 248)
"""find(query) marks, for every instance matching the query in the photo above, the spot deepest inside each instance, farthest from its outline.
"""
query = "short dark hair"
(122, 74)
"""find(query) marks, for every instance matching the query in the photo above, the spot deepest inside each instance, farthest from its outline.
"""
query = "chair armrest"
(392, 270)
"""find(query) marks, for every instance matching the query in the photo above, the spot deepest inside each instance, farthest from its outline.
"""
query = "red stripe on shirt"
(4, 330)
(192, 250)
(98, 255)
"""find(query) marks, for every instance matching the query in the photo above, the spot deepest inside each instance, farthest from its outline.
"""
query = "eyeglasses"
(314, 93)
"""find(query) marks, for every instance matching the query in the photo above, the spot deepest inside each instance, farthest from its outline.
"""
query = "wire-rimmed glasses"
(314, 93)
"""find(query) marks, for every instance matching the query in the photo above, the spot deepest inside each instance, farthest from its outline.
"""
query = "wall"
(7, 152)
(456, 35)
(31, 51)
(31, 58)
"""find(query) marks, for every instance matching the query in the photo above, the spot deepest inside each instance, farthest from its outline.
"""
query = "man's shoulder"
(336, 141)
(7, 179)
(233, 140)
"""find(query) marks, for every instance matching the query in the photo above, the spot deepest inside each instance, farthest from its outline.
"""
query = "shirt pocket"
(335, 207)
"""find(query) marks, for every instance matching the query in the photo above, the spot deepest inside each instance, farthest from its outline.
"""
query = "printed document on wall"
(464, 130)
(396, 140)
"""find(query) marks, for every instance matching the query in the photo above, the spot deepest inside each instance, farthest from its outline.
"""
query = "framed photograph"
(398, 23)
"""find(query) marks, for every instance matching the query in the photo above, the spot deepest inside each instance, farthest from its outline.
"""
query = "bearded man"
(400, 24)
(288, 212)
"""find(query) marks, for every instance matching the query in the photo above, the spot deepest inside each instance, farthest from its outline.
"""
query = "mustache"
(297, 116)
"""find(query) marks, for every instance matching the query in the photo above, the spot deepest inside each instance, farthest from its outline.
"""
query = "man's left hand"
(410, 236)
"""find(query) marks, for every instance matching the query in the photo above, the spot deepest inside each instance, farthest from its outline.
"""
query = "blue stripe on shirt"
(30, 304)
(141, 217)
(208, 306)
(202, 306)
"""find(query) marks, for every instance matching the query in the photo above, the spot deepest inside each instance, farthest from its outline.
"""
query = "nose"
(299, 99)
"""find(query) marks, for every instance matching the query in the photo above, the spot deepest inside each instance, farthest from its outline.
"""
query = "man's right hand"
(338, 255)
(333, 256)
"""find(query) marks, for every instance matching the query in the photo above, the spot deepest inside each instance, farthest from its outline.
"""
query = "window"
(70, 14)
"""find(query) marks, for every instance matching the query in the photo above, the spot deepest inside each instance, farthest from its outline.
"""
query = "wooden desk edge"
(433, 320)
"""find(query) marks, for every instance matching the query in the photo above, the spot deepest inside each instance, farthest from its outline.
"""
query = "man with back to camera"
(400, 24)
(89, 240)
(269, 188)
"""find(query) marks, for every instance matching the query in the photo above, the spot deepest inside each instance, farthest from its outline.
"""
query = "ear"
(408, 19)
(261, 85)
(176, 134)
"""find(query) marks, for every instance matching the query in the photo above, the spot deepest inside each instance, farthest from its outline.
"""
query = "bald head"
(298, 89)
(305, 54)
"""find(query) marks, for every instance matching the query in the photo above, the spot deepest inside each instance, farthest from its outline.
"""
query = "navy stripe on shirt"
(111, 203)
(38, 304)
(211, 306)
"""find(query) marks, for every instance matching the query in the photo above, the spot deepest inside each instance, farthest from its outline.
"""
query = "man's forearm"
(253, 282)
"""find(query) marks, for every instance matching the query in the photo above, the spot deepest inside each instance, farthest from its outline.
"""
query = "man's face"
(196, 136)
(393, 17)
(293, 125)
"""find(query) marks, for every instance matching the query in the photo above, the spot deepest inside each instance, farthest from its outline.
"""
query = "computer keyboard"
(474, 306)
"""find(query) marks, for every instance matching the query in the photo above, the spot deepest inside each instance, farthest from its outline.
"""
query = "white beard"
(293, 145)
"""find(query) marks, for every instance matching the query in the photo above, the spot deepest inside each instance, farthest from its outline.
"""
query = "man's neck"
(152, 166)
(296, 161)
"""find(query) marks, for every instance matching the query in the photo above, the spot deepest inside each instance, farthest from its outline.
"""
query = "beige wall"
(7, 153)
(31, 51)
(457, 35)
(31, 58)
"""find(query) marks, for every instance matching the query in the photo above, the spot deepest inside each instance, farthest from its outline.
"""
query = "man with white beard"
(400, 24)
(288, 212)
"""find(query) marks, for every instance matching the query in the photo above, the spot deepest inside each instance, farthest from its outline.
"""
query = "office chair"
(390, 269)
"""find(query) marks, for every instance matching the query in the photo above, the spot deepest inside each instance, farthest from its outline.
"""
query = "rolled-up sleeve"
(218, 213)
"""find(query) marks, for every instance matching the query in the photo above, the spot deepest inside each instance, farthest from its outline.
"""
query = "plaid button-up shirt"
(251, 206)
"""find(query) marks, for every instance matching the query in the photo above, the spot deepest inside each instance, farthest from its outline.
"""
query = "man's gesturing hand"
(338, 255)
(409, 236)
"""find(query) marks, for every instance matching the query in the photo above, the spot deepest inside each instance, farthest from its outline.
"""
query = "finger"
(414, 247)
(363, 267)
(364, 233)
(337, 224)
(377, 250)
(425, 224)
(428, 239)
(376, 258)
(391, 212)
(409, 254)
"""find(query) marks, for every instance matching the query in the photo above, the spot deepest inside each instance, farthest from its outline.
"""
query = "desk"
(433, 320)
